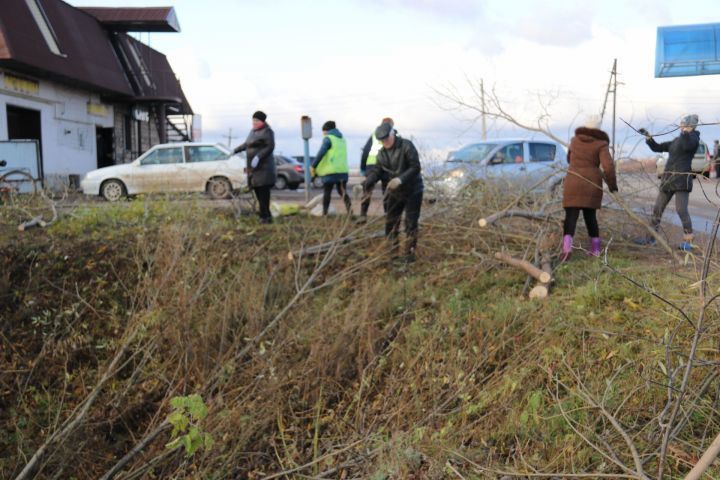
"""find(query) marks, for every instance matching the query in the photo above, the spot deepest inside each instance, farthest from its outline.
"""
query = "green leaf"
(179, 421)
(208, 441)
(178, 403)
(197, 407)
(187, 443)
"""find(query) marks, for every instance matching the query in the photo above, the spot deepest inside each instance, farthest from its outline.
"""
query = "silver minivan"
(522, 164)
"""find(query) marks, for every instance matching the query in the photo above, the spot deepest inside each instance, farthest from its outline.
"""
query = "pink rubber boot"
(594, 247)
(566, 248)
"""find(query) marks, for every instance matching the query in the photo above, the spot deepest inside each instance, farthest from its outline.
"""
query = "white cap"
(592, 121)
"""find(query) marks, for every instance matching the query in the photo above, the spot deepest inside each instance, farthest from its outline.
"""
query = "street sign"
(306, 127)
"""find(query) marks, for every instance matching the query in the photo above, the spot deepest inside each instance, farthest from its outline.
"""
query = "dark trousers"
(367, 193)
(394, 207)
(342, 191)
(681, 205)
(571, 217)
(263, 196)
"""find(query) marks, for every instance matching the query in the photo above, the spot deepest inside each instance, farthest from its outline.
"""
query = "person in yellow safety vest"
(331, 165)
(368, 163)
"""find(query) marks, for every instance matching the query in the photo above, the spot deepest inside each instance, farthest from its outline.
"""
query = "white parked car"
(171, 167)
(700, 163)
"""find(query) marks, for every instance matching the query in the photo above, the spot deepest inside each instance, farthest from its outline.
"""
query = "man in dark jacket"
(260, 145)
(677, 179)
(398, 164)
(368, 162)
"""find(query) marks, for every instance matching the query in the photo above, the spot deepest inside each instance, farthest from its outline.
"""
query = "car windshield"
(701, 149)
(472, 153)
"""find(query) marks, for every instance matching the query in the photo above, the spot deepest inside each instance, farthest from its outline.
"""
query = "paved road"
(282, 196)
(640, 190)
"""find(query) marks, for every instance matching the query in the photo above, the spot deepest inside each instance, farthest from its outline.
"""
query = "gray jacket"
(260, 143)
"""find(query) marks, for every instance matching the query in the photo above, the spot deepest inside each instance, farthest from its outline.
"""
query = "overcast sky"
(356, 61)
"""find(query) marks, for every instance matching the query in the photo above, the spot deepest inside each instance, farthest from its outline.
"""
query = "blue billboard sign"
(687, 50)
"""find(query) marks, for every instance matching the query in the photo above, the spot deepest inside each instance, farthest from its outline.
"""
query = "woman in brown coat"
(589, 149)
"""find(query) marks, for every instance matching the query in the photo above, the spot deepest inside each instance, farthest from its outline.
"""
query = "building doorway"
(24, 124)
(105, 139)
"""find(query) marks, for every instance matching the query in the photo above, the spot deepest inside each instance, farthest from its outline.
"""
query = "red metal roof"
(154, 19)
(109, 62)
(87, 56)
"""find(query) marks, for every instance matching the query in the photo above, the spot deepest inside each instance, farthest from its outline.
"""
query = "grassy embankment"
(368, 370)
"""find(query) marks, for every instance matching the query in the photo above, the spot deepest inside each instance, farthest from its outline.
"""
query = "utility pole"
(482, 101)
(615, 84)
(230, 137)
(611, 88)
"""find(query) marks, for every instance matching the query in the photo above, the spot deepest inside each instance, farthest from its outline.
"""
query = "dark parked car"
(290, 173)
(317, 182)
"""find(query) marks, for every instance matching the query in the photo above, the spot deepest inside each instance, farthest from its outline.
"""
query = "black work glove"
(613, 189)
(642, 131)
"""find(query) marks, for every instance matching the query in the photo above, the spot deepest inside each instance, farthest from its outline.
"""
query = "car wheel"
(219, 188)
(113, 190)
(281, 182)
(317, 182)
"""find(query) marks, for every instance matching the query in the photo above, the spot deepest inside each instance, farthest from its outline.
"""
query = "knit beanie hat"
(329, 125)
(259, 115)
(689, 121)
(592, 121)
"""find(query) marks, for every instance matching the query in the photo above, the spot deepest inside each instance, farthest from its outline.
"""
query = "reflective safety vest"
(335, 160)
(374, 150)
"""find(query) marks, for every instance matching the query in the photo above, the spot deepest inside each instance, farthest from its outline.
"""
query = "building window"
(43, 24)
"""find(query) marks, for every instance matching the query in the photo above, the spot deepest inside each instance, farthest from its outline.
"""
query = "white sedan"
(172, 167)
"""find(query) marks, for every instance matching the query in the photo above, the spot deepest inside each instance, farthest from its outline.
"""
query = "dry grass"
(369, 369)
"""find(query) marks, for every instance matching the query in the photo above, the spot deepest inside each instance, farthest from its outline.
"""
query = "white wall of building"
(68, 128)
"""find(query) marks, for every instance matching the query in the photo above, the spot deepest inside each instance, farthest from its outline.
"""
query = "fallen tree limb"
(528, 267)
(490, 220)
(144, 442)
(78, 415)
(705, 461)
(542, 289)
(325, 247)
(39, 221)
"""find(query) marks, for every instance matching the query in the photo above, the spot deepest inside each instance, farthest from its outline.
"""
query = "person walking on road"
(368, 162)
(331, 165)
(260, 166)
(582, 188)
(677, 179)
(716, 158)
(398, 164)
